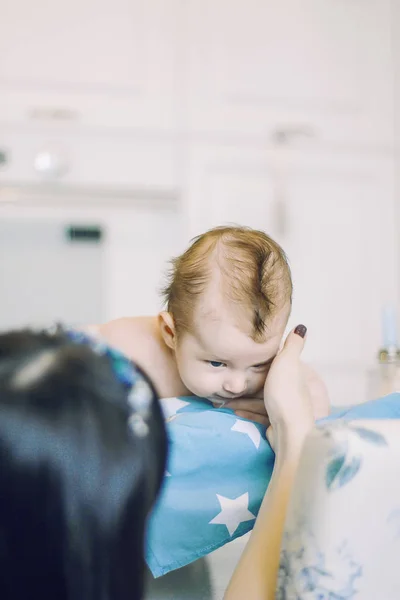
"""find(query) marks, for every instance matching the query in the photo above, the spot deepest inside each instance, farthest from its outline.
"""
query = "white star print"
(248, 429)
(233, 512)
(167, 474)
(170, 406)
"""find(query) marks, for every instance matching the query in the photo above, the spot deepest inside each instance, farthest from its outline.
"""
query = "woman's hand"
(289, 406)
(255, 409)
(249, 408)
(287, 396)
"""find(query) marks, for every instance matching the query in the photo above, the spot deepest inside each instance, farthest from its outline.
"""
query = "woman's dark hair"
(76, 485)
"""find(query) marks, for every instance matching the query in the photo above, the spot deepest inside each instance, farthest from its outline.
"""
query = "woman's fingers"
(247, 404)
(250, 408)
(295, 341)
(270, 437)
(256, 418)
(286, 395)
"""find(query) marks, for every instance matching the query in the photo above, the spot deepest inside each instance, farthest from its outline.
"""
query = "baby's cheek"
(259, 381)
(199, 373)
(208, 379)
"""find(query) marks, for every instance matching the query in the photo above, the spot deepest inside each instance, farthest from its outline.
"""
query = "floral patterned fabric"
(342, 535)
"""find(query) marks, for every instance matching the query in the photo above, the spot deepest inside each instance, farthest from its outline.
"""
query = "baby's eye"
(216, 363)
(262, 366)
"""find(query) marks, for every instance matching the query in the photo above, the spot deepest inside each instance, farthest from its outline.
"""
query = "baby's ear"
(167, 327)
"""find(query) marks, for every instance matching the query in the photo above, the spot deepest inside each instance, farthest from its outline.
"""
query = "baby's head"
(76, 481)
(228, 302)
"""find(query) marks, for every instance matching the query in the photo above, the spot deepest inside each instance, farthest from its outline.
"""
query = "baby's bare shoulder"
(140, 340)
(133, 336)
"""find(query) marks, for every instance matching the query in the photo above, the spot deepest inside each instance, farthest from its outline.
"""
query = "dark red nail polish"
(301, 330)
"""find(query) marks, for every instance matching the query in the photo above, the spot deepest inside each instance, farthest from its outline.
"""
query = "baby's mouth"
(217, 399)
(218, 402)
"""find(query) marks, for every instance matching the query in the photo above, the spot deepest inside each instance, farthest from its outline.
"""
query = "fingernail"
(301, 330)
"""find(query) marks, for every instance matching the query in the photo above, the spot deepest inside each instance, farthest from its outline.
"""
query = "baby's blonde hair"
(254, 272)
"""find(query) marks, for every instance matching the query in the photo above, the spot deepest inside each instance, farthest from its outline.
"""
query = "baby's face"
(219, 361)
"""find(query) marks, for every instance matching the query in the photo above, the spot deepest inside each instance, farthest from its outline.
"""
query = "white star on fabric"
(170, 406)
(248, 429)
(167, 474)
(233, 512)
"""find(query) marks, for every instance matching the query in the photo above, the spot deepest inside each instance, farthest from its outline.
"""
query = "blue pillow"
(217, 474)
(387, 407)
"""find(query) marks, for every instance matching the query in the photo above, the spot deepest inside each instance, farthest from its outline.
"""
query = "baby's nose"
(235, 385)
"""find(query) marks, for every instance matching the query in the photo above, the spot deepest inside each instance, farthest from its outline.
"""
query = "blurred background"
(129, 126)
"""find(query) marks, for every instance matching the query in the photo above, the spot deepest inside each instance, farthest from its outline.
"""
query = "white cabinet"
(96, 63)
(220, 66)
(252, 66)
(339, 233)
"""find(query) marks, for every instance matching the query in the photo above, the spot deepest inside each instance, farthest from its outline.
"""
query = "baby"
(228, 302)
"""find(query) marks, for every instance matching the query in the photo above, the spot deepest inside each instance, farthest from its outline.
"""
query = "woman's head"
(76, 483)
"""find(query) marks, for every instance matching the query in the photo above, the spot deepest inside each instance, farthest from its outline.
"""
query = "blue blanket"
(218, 470)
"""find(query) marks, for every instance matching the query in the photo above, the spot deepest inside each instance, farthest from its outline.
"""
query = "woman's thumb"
(295, 340)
